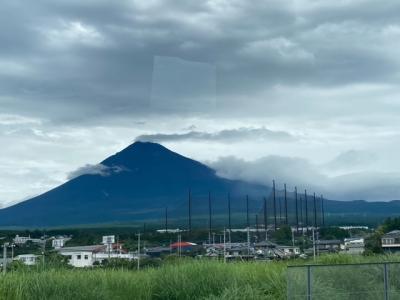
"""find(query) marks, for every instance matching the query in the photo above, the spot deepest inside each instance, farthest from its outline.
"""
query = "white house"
(82, 256)
(59, 242)
(20, 240)
(354, 245)
(27, 259)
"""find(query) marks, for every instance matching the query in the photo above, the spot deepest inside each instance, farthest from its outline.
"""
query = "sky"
(302, 91)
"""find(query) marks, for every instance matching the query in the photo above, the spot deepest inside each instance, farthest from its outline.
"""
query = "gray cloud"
(228, 135)
(366, 185)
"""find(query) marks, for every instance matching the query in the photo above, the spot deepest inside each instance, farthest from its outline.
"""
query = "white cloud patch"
(71, 33)
(98, 169)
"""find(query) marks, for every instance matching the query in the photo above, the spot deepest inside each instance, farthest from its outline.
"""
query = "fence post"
(385, 281)
(309, 296)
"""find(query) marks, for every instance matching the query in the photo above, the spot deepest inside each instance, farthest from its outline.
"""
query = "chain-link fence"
(370, 281)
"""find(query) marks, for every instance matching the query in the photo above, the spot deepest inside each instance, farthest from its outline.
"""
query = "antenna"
(274, 197)
(297, 209)
(306, 201)
(286, 212)
(190, 211)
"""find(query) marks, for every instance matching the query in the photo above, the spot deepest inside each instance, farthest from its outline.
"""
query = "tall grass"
(178, 280)
(188, 280)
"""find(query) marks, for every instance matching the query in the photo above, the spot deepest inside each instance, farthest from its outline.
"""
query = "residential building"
(354, 245)
(20, 240)
(82, 256)
(27, 259)
(391, 241)
(59, 242)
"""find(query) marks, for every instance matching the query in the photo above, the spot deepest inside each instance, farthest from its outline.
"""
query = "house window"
(86, 256)
(78, 257)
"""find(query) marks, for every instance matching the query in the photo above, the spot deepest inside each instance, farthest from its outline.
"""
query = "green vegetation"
(184, 279)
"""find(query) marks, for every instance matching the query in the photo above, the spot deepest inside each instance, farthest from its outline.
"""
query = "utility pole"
(265, 218)
(315, 211)
(286, 208)
(274, 198)
(247, 211)
(229, 216)
(323, 210)
(297, 210)
(190, 211)
(138, 250)
(306, 200)
(209, 218)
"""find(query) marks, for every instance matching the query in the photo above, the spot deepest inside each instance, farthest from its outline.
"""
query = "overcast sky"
(306, 92)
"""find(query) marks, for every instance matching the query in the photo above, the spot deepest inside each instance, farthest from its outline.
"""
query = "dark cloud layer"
(70, 59)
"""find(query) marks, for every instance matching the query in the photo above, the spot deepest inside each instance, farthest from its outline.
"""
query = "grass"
(180, 280)
(186, 280)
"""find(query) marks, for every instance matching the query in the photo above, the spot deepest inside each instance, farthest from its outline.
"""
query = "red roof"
(182, 245)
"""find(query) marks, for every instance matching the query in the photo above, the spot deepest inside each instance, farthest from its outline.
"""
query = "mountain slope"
(135, 184)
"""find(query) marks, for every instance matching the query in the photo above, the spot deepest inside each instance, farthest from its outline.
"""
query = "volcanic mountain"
(135, 184)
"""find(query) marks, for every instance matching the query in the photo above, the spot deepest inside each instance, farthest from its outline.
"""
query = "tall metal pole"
(274, 198)
(286, 208)
(257, 232)
(190, 211)
(301, 215)
(166, 220)
(306, 201)
(229, 216)
(138, 250)
(280, 209)
(209, 217)
(315, 212)
(247, 212)
(323, 210)
(297, 209)
(265, 218)
(224, 245)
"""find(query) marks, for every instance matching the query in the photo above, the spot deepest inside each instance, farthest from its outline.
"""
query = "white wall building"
(354, 245)
(27, 259)
(20, 240)
(82, 256)
(59, 242)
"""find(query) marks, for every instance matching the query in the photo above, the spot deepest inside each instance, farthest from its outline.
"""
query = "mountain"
(134, 184)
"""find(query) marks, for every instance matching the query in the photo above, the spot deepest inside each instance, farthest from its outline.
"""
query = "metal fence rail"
(366, 281)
